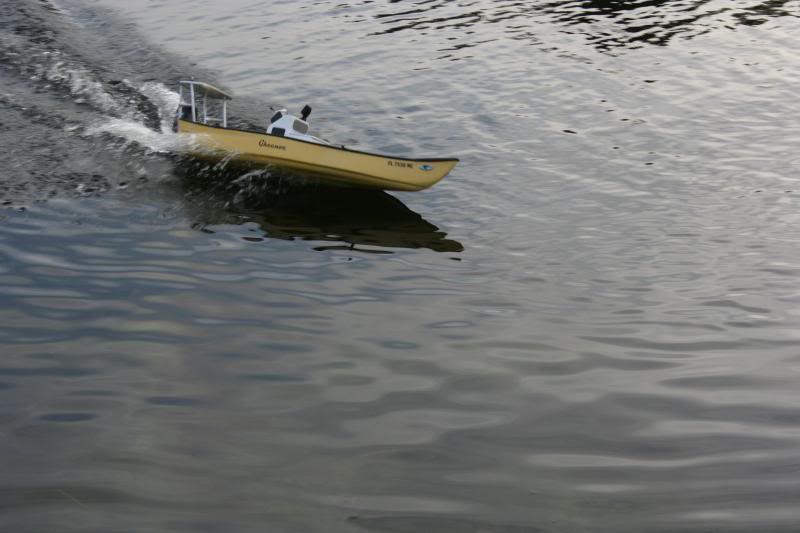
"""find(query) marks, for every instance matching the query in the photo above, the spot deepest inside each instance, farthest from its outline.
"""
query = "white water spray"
(131, 129)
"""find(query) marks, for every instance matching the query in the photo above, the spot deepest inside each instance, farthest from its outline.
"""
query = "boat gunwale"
(333, 146)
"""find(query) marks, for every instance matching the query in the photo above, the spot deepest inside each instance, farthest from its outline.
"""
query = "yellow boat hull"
(331, 163)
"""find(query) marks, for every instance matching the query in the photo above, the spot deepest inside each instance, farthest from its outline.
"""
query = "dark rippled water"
(590, 326)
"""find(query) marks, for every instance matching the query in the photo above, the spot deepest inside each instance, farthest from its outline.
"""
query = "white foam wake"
(131, 129)
(82, 86)
(164, 99)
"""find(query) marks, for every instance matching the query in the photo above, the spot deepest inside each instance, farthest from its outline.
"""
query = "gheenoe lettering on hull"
(266, 144)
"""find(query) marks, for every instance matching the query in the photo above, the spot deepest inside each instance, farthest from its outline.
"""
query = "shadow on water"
(287, 207)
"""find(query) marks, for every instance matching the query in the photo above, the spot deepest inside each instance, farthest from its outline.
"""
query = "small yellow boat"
(203, 113)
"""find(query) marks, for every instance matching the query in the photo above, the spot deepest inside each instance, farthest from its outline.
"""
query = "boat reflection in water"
(288, 207)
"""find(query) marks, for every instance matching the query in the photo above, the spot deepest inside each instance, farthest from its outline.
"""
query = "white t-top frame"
(193, 93)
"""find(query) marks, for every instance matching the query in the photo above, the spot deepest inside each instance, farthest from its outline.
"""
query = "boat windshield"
(300, 126)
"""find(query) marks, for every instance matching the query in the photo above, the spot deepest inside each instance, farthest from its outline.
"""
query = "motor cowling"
(283, 124)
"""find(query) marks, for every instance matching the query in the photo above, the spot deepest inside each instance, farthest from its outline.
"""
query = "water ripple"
(590, 325)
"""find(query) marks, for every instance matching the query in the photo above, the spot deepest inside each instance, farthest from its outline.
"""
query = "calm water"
(592, 325)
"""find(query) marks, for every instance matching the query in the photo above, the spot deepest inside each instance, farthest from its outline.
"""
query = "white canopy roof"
(205, 89)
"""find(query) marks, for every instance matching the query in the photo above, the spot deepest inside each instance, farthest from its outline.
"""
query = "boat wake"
(73, 109)
(154, 132)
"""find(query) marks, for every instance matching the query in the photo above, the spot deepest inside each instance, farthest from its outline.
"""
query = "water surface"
(590, 325)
